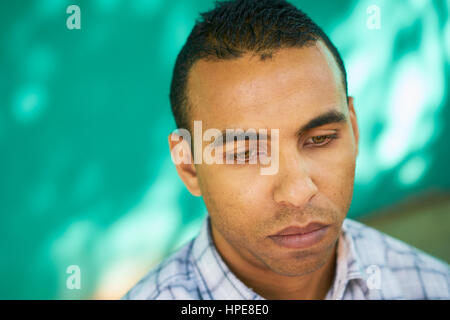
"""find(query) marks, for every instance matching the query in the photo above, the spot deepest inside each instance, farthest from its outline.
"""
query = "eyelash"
(234, 156)
(329, 139)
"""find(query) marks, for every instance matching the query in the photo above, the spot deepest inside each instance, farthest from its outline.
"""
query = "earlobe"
(188, 175)
(182, 158)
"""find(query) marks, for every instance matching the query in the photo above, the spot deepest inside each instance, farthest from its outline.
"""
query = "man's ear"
(182, 158)
(352, 113)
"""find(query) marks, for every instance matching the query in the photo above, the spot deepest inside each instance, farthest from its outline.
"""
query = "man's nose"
(294, 186)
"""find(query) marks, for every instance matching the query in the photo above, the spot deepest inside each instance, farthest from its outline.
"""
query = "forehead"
(293, 86)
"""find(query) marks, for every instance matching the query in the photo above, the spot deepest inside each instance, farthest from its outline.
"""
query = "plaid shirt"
(370, 265)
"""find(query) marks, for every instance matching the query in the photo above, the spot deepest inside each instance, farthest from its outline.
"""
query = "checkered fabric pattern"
(370, 265)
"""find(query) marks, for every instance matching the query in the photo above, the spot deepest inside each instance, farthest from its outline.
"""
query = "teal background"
(86, 177)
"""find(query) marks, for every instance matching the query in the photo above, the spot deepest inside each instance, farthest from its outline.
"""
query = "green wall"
(85, 172)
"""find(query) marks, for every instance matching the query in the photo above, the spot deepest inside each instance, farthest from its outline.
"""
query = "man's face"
(314, 181)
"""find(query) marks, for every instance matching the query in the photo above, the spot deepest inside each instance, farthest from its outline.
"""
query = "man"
(265, 65)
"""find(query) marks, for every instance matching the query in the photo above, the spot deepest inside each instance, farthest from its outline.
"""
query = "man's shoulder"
(173, 278)
(417, 273)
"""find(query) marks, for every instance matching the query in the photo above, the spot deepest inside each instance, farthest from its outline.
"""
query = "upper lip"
(301, 230)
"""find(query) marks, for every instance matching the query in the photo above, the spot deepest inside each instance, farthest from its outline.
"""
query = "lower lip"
(300, 241)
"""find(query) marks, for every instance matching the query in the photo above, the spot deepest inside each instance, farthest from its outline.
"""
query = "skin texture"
(314, 181)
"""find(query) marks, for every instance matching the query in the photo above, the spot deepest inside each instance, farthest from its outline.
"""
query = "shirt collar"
(217, 282)
(348, 265)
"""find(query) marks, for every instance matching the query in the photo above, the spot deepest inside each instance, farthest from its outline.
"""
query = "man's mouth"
(298, 237)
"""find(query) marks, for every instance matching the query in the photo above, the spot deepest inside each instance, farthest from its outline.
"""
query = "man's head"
(265, 64)
(234, 28)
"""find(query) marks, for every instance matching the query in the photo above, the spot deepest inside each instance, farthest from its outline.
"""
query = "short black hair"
(236, 27)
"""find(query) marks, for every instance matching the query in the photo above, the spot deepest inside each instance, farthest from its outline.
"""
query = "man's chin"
(297, 263)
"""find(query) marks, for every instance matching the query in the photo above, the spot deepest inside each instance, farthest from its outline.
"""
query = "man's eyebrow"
(332, 116)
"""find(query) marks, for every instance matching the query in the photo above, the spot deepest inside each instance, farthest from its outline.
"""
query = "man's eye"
(322, 140)
(247, 155)
(244, 155)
